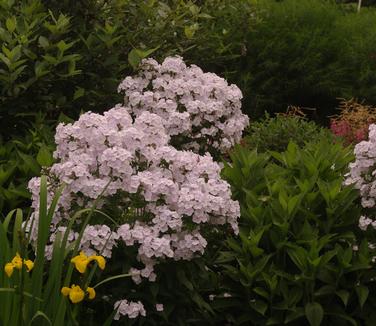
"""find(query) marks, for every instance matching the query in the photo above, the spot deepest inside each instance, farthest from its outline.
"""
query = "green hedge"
(308, 53)
(69, 56)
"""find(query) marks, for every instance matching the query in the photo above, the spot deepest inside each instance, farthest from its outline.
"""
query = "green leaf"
(344, 295)
(145, 53)
(344, 317)
(294, 296)
(262, 292)
(79, 92)
(4, 59)
(30, 162)
(299, 256)
(11, 24)
(325, 290)
(314, 313)
(362, 293)
(136, 55)
(259, 305)
(297, 313)
(293, 203)
(40, 314)
(44, 157)
(134, 59)
(43, 42)
(189, 32)
(184, 280)
(39, 69)
(64, 118)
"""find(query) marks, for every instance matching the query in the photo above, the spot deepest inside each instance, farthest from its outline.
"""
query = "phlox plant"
(362, 175)
(200, 111)
(31, 291)
(146, 171)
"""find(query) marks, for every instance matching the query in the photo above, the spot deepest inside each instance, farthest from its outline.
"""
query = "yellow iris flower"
(17, 263)
(81, 261)
(29, 264)
(91, 292)
(76, 294)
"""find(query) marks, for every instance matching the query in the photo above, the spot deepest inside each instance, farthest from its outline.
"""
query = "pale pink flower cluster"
(148, 151)
(200, 110)
(98, 239)
(128, 308)
(363, 174)
(118, 158)
(364, 222)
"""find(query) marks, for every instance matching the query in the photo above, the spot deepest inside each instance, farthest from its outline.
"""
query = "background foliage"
(295, 261)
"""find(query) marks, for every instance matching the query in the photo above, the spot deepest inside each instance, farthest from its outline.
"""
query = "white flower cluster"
(363, 174)
(199, 110)
(118, 159)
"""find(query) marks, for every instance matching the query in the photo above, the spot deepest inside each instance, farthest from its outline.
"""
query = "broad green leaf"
(79, 92)
(362, 293)
(296, 314)
(145, 53)
(344, 295)
(314, 313)
(299, 256)
(39, 314)
(344, 317)
(189, 32)
(11, 23)
(134, 59)
(43, 42)
(259, 305)
(136, 55)
(44, 157)
(262, 292)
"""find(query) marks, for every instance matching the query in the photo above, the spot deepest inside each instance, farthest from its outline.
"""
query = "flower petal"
(9, 267)
(29, 264)
(65, 291)
(76, 294)
(91, 292)
(100, 260)
(17, 261)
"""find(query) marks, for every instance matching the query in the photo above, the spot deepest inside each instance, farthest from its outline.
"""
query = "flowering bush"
(353, 121)
(362, 174)
(200, 111)
(159, 198)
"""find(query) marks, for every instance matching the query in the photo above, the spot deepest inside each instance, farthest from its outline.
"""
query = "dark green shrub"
(359, 53)
(276, 133)
(294, 262)
(22, 158)
(308, 53)
(36, 56)
(69, 56)
(294, 56)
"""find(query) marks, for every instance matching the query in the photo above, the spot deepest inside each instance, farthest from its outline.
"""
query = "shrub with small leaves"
(352, 123)
(274, 133)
